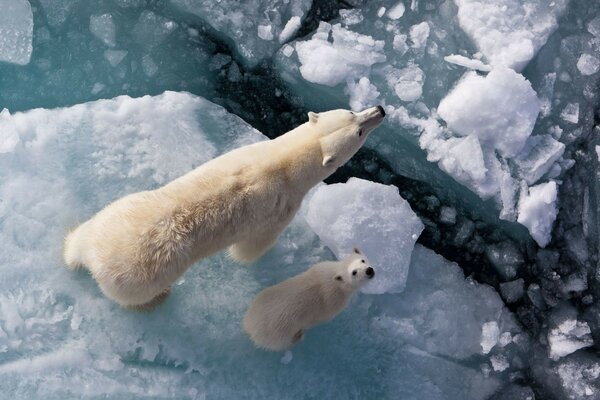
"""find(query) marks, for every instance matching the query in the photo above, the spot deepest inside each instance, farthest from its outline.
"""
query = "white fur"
(139, 245)
(280, 314)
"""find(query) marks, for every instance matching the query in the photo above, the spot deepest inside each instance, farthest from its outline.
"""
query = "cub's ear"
(356, 250)
(328, 160)
(313, 117)
(339, 278)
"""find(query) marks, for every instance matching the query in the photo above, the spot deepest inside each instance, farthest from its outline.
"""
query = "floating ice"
(509, 32)
(349, 56)
(568, 337)
(467, 62)
(103, 27)
(250, 27)
(372, 217)
(499, 109)
(396, 11)
(445, 314)
(490, 334)
(537, 157)
(537, 211)
(512, 291)
(16, 31)
(588, 64)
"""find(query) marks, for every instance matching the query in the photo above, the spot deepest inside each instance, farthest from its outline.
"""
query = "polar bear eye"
(354, 272)
(360, 132)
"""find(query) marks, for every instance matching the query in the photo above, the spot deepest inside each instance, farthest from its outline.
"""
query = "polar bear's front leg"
(249, 250)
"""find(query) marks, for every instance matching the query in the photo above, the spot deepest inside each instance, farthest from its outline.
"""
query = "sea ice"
(537, 211)
(250, 27)
(103, 27)
(569, 336)
(16, 31)
(342, 214)
(507, 108)
(509, 32)
(349, 56)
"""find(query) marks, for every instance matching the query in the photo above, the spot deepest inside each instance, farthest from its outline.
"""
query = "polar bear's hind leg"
(72, 249)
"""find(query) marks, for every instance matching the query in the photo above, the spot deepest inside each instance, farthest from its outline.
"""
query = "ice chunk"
(499, 362)
(57, 12)
(509, 32)
(152, 29)
(16, 31)
(367, 207)
(407, 82)
(264, 32)
(588, 64)
(9, 137)
(349, 56)
(445, 314)
(419, 34)
(512, 291)
(290, 29)
(397, 11)
(448, 215)
(467, 62)
(490, 334)
(538, 156)
(250, 26)
(506, 257)
(500, 109)
(568, 337)
(537, 211)
(103, 27)
(114, 57)
(579, 379)
(362, 94)
(571, 113)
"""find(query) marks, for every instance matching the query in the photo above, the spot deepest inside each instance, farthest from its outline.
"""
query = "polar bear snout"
(370, 272)
(381, 111)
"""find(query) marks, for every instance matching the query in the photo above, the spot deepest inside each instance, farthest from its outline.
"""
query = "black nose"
(381, 110)
(370, 272)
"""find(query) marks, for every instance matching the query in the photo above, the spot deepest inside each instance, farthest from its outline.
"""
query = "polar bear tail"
(72, 249)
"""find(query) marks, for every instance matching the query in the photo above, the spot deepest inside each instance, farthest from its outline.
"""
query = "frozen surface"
(372, 217)
(16, 31)
(509, 32)
(256, 29)
(60, 338)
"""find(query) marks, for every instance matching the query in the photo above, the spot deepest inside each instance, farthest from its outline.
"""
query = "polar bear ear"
(356, 250)
(313, 117)
(328, 160)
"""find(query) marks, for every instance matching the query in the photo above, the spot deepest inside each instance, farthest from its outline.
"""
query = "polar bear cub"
(280, 314)
(139, 245)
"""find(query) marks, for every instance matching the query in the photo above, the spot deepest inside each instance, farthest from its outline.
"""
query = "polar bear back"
(280, 312)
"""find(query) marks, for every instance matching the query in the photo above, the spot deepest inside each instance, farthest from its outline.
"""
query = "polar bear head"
(354, 271)
(342, 132)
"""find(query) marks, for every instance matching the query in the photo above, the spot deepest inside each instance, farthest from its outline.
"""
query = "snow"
(537, 211)
(509, 32)
(342, 214)
(16, 31)
(349, 56)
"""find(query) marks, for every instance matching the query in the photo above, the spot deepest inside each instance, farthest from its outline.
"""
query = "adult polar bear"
(139, 245)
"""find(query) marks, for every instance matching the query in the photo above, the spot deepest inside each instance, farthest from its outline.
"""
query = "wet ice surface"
(60, 337)
(489, 138)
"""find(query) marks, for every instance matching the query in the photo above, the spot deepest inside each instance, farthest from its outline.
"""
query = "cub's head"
(342, 132)
(355, 272)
